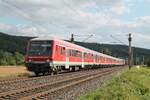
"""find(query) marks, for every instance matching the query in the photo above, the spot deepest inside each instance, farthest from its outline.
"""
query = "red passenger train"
(47, 55)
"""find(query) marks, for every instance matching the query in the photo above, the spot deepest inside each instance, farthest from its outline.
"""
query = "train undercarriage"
(47, 68)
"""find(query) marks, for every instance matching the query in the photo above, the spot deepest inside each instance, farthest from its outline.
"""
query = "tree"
(106, 51)
(9, 58)
(19, 58)
(148, 62)
(2, 58)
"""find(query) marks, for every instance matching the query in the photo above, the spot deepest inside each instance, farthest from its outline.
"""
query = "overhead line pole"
(72, 38)
(130, 52)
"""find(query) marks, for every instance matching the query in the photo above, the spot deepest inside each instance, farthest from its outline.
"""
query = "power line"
(68, 5)
(118, 40)
(21, 12)
(87, 38)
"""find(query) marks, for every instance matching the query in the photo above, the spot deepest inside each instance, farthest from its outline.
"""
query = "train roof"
(68, 43)
(44, 38)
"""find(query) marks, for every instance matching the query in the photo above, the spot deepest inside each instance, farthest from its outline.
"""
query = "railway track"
(15, 80)
(43, 90)
(29, 82)
(6, 81)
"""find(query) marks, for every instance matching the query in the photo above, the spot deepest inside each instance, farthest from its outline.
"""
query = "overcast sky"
(109, 21)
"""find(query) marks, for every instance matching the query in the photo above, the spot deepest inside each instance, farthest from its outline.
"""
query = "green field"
(131, 85)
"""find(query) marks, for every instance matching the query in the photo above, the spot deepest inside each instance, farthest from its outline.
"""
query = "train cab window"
(40, 48)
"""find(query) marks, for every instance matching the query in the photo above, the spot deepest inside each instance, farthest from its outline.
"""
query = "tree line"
(12, 49)
(7, 58)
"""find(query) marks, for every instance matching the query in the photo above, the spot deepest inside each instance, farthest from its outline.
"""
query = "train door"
(82, 60)
(67, 59)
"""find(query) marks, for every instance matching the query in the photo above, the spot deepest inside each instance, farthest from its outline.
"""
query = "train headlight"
(47, 60)
(30, 60)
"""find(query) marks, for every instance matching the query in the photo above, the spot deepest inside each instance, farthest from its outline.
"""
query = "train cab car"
(39, 55)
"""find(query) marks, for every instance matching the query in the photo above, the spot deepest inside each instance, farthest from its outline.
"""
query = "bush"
(9, 58)
(148, 63)
(19, 58)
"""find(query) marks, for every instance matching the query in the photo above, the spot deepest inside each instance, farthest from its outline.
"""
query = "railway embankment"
(130, 85)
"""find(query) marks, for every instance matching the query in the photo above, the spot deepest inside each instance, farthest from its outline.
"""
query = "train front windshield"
(40, 48)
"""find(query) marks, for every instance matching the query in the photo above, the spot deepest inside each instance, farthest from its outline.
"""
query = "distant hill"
(121, 51)
(12, 44)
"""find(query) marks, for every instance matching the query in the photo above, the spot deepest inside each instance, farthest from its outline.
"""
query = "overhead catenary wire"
(18, 9)
(118, 40)
(69, 6)
(21, 12)
(87, 38)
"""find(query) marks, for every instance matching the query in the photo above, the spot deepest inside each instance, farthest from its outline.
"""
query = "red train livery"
(46, 55)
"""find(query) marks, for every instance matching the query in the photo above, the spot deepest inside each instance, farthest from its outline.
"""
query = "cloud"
(61, 18)
(120, 8)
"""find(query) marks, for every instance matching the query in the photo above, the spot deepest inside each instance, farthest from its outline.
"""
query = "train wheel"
(77, 68)
(55, 72)
(70, 69)
(74, 69)
(36, 73)
(44, 73)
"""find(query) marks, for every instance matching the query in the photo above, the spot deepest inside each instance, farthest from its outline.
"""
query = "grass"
(131, 85)
(13, 71)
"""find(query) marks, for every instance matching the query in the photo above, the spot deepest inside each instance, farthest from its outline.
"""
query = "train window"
(77, 55)
(94, 57)
(61, 50)
(70, 52)
(80, 55)
(85, 55)
(57, 48)
(64, 50)
(89, 56)
(73, 53)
